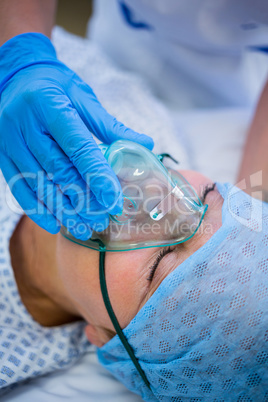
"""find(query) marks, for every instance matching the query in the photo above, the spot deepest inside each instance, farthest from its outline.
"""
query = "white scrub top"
(194, 53)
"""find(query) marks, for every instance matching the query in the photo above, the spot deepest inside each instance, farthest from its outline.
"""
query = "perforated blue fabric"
(203, 335)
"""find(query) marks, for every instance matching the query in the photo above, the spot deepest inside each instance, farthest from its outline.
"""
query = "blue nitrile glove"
(47, 117)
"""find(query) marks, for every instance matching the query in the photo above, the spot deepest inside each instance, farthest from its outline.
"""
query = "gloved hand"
(47, 152)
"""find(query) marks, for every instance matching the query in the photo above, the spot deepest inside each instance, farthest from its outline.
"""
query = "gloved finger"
(62, 172)
(106, 127)
(64, 124)
(49, 194)
(26, 197)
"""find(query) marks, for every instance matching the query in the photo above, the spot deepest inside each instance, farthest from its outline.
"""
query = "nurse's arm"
(255, 157)
(21, 16)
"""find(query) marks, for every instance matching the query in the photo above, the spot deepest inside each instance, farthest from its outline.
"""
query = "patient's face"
(128, 274)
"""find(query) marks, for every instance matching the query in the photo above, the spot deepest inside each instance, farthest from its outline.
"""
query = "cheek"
(126, 282)
(67, 256)
(77, 268)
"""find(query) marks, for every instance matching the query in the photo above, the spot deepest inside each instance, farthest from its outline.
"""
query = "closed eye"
(208, 188)
(160, 256)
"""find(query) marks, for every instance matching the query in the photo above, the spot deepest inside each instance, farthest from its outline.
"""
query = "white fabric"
(86, 381)
(195, 55)
(210, 26)
(214, 140)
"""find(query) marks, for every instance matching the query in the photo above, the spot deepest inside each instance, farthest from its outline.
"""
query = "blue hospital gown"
(27, 349)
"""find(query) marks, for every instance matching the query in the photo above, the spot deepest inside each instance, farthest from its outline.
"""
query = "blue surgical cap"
(203, 335)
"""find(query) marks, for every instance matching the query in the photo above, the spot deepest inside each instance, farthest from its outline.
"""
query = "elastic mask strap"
(162, 156)
(113, 318)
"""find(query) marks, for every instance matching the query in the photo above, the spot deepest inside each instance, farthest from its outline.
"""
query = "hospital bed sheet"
(86, 381)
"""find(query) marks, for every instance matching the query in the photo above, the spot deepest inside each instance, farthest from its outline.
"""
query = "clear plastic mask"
(160, 207)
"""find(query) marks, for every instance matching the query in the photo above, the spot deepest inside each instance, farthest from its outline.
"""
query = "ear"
(93, 335)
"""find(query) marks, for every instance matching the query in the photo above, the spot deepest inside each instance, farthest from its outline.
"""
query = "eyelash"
(208, 188)
(161, 255)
